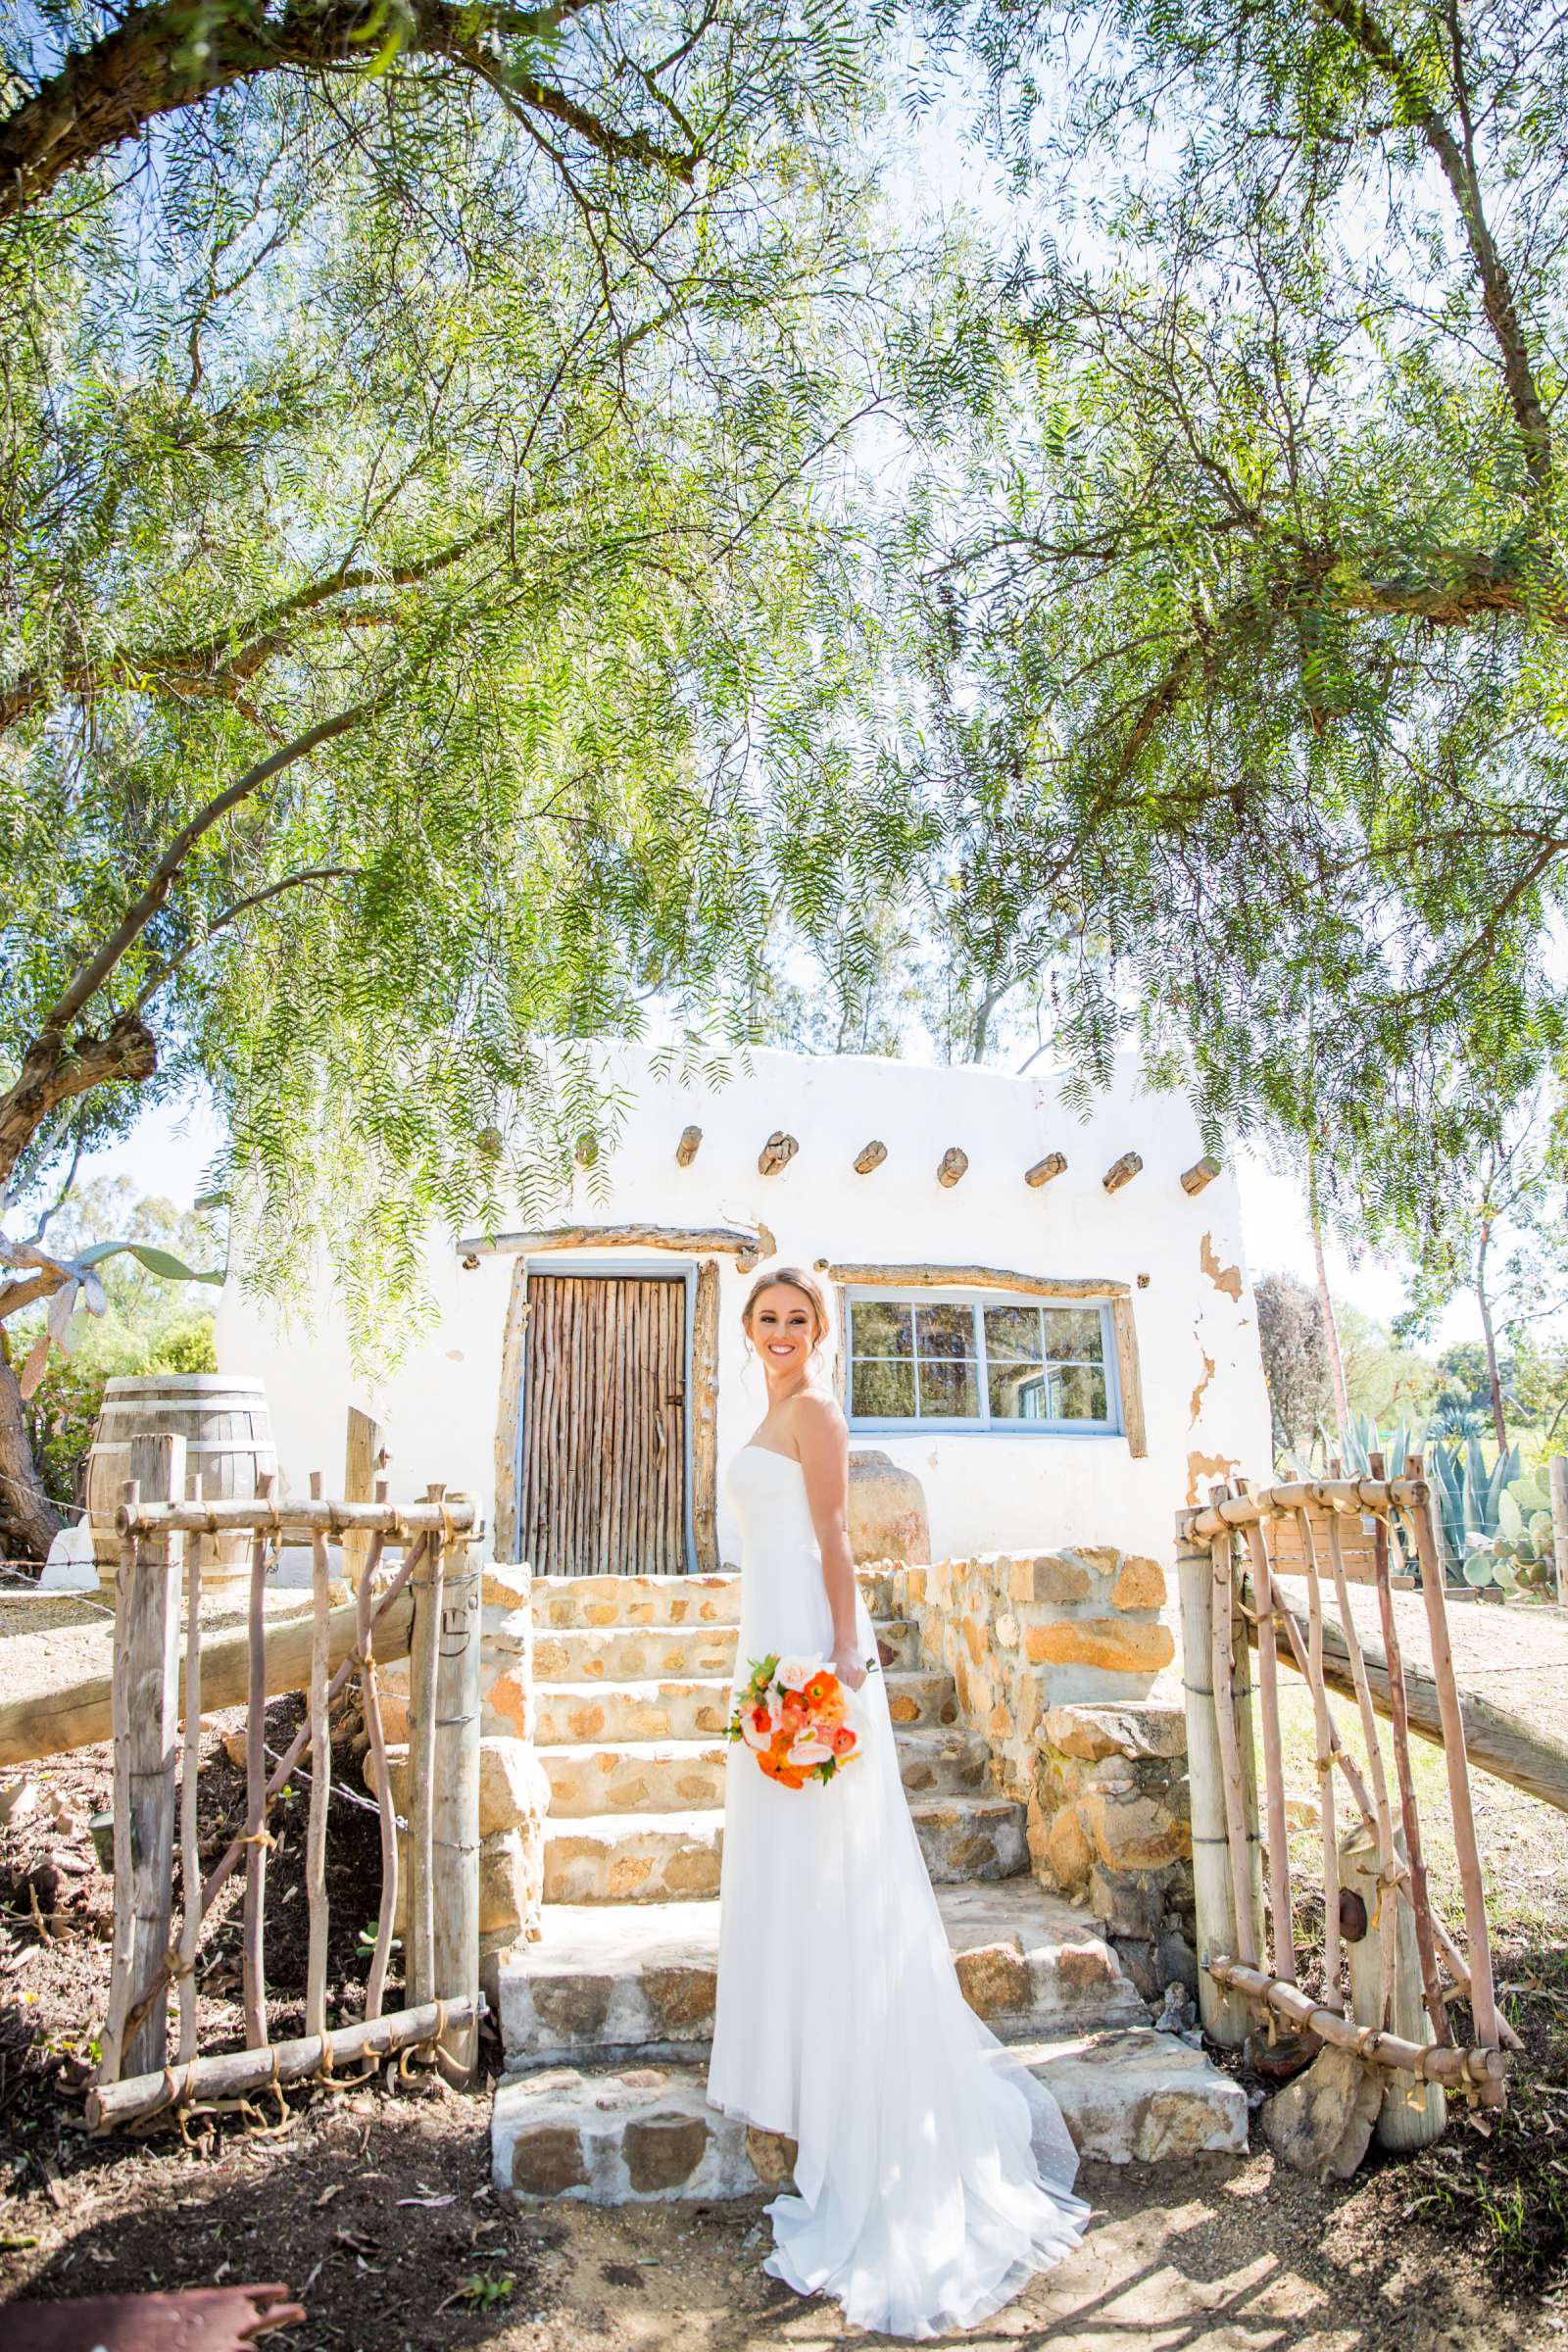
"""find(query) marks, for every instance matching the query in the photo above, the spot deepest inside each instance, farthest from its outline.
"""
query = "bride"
(934, 2174)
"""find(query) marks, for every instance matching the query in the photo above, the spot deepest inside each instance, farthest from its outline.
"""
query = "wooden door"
(603, 1425)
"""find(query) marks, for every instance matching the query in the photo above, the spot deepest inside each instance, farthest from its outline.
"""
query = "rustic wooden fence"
(1380, 1929)
(425, 1607)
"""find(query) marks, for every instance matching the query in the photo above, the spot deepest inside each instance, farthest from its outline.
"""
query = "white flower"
(793, 1674)
(755, 1736)
(806, 1752)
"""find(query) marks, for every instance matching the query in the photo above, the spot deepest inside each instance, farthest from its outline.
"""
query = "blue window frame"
(999, 1361)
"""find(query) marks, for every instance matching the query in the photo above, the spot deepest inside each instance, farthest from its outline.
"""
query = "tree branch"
(90, 978)
(1457, 165)
(231, 914)
(149, 66)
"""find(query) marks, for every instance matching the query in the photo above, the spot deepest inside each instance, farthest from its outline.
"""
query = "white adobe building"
(1046, 1319)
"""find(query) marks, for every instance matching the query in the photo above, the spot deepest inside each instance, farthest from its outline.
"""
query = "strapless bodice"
(767, 1493)
(784, 1603)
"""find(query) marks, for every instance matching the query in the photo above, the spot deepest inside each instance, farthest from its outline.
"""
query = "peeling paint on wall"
(1224, 1278)
(1195, 1405)
(1206, 1465)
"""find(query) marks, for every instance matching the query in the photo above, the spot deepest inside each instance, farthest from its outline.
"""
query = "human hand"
(849, 1665)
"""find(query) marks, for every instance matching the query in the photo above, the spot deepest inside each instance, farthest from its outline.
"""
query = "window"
(999, 1363)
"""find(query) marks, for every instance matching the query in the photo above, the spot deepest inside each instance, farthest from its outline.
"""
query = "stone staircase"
(606, 2019)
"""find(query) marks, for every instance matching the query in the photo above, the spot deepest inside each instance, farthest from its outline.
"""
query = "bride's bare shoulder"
(817, 1424)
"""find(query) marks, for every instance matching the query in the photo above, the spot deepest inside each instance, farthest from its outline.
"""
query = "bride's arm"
(823, 1439)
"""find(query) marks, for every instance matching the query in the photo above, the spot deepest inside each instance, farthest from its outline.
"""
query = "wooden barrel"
(227, 1430)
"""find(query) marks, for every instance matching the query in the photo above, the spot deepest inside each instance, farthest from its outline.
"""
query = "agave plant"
(1471, 1498)
(70, 1282)
(1518, 1557)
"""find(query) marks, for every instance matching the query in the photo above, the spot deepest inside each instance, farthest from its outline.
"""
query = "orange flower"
(790, 1778)
(821, 1688)
(841, 1740)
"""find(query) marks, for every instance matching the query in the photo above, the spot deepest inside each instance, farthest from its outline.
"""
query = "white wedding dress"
(934, 2174)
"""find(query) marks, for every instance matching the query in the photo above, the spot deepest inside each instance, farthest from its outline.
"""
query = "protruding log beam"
(687, 1148)
(1122, 1171)
(871, 1157)
(777, 1152)
(1202, 1172)
(746, 1246)
(78, 1712)
(1055, 1163)
(951, 1165)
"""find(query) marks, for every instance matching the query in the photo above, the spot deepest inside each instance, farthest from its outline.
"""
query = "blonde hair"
(789, 1277)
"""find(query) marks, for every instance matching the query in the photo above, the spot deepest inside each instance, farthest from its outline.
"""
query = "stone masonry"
(514, 1790)
(1023, 1633)
(606, 2015)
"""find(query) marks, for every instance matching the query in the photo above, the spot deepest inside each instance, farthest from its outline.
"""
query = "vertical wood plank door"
(604, 1426)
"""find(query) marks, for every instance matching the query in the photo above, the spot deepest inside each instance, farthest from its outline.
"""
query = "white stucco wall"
(1203, 1398)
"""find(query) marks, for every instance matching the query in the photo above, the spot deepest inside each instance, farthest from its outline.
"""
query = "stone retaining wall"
(1055, 1655)
(1112, 1785)
(513, 1791)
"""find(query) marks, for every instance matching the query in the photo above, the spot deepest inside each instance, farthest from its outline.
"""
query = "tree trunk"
(1331, 1329)
(1494, 1377)
(29, 1520)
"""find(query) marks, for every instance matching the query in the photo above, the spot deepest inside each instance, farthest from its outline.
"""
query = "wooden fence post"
(1413, 2113)
(1225, 2015)
(147, 1714)
(364, 1458)
(1467, 1852)
(423, 1660)
(1557, 1471)
(455, 1845)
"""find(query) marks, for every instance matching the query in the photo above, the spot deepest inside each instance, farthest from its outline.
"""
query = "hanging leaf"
(60, 1306)
(33, 1370)
(156, 1260)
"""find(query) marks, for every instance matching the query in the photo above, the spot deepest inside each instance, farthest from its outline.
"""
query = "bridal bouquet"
(790, 1714)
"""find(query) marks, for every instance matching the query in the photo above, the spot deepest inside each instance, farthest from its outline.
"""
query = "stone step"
(567, 1714)
(663, 1776)
(659, 1857)
(635, 1653)
(605, 1984)
(646, 2134)
(564, 1602)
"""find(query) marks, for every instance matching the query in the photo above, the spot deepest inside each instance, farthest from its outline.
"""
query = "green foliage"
(1470, 1494)
(1384, 1380)
(1243, 606)
(465, 505)
(149, 1324)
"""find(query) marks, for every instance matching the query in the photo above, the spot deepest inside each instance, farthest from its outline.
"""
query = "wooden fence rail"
(1382, 1995)
(429, 1607)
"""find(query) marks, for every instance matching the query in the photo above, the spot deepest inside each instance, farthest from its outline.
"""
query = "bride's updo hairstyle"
(789, 1277)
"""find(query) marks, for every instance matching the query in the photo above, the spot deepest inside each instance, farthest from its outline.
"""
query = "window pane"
(947, 1331)
(1012, 1335)
(1079, 1394)
(1074, 1335)
(882, 1391)
(947, 1392)
(1017, 1392)
(881, 1327)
